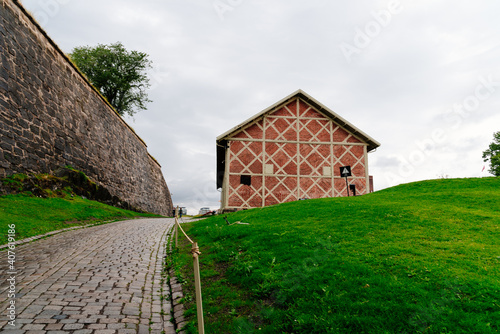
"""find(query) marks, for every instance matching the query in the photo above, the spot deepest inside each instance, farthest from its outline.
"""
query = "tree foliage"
(119, 75)
(492, 154)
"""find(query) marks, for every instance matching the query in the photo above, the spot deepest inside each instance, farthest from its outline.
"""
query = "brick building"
(292, 150)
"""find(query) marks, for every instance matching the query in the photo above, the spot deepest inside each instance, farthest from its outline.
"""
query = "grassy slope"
(417, 258)
(34, 216)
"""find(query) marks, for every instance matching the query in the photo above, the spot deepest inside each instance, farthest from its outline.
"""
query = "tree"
(117, 73)
(492, 154)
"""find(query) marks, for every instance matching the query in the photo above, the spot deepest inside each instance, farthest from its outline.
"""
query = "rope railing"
(195, 251)
(179, 226)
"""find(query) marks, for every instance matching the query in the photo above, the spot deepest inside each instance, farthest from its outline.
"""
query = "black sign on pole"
(345, 171)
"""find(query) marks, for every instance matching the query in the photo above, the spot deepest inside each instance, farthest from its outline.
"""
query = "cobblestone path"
(103, 279)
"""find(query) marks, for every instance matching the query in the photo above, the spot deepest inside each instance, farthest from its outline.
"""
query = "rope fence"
(195, 251)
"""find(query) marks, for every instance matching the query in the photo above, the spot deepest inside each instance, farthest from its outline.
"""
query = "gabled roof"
(372, 143)
(222, 139)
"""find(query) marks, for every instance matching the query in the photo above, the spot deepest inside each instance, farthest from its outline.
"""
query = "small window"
(246, 180)
(269, 168)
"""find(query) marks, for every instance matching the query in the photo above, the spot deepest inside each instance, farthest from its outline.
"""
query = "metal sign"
(345, 171)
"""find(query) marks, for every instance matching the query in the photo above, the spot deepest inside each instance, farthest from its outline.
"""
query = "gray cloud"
(213, 73)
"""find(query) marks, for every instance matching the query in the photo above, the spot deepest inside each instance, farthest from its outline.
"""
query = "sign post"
(345, 171)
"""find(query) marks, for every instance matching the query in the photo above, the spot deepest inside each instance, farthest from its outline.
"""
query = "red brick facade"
(290, 151)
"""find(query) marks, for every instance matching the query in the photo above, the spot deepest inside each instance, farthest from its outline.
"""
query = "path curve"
(103, 279)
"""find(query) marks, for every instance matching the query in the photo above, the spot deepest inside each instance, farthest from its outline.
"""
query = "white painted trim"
(368, 190)
(332, 160)
(297, 106)
(305, 176)
(298, 142)
(264, 160)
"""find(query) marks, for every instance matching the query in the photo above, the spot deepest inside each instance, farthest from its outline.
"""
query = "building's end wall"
(294, 152)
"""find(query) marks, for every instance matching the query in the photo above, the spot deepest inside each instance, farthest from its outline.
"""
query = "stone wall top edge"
(154, 159)
(40, 30)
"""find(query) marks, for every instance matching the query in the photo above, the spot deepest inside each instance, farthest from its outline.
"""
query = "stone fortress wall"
(50, 116)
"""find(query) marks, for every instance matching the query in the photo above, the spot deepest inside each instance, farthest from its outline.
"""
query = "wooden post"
(176, 231)
(197, 284)
(176, 227)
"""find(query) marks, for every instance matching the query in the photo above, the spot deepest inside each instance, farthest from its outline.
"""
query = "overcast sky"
(421, 77)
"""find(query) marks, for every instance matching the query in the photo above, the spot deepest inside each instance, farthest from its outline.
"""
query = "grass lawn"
(417, 258)
(34, 216)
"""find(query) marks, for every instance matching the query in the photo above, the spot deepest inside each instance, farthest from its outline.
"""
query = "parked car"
(204, 211)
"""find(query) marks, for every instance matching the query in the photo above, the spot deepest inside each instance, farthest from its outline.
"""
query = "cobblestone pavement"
(102, 279)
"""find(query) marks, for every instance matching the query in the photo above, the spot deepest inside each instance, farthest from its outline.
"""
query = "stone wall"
(50, 116)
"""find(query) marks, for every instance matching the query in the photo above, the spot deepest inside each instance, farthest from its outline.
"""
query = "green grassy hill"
(417, 258)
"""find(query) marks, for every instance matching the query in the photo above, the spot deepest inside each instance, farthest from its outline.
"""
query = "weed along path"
(102, 279)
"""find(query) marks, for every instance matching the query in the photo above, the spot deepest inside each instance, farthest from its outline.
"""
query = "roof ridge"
(372, 143)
